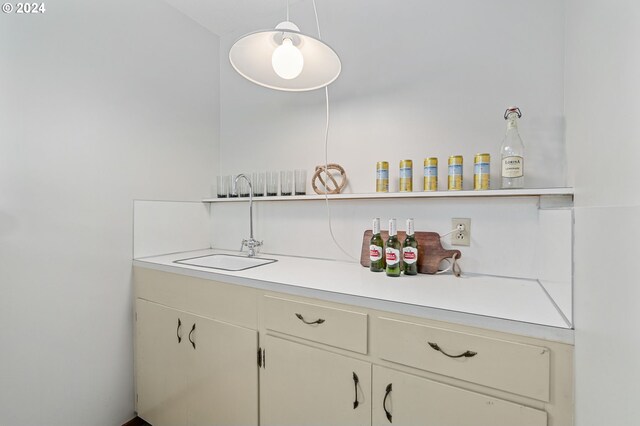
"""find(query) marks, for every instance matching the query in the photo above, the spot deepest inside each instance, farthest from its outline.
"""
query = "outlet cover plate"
(461, 238)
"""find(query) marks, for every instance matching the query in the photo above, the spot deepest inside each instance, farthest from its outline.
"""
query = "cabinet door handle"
(356, 380)
(178, 330)
(301, 318)
(467, 354)
(384, 402)
(190, 333)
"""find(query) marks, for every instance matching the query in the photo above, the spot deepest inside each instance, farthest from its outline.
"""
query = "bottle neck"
(410, 228)
(393, 229)
(512, 122)
(376, 227)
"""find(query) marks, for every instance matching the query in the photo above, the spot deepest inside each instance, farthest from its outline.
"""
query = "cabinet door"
(223, 374)
(404, 400)
(160, 368)
(304, 386)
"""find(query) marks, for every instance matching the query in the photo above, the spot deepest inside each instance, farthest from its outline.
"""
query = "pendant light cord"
(326, 169)
(315, 11)
(326, 152)
(326, 144)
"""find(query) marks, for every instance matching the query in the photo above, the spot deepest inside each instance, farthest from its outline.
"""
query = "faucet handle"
(253, 243)
(243, 244)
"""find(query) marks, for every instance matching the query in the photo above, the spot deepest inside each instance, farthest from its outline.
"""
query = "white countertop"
(503, 304)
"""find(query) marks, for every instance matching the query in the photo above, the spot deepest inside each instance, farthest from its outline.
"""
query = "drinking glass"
(233, 186)
(222, 185)
(272, 184)
(243, 186)
(301, 181)
(286, 182)
(257, 182)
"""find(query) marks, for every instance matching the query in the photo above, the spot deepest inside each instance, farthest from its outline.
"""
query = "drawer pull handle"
(178, 329)
(190, 333)
(384, 402)
(467, 354)
(301, 318)
(356, 380)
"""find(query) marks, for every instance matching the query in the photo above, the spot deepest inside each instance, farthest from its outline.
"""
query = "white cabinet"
(406, 400)
(423, 372)
(161, 364)
(192, 370)
(301, 385)
(325, 363)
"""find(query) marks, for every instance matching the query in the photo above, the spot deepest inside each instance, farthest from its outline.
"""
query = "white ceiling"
(224, 16)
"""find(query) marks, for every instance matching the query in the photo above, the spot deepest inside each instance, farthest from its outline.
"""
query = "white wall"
(101, 102)
(602, 106)
(419, 79)
(161, 227)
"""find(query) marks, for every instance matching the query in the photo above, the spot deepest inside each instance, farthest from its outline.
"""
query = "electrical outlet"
(462, 234)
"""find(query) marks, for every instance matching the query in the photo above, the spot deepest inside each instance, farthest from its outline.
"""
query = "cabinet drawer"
(513, 367)
(322, 324)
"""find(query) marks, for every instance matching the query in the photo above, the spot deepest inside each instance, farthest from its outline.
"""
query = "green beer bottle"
(392, 250)
(376, 248)
(410, 251)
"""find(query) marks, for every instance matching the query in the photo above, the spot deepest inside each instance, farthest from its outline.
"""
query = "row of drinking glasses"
(263, 183)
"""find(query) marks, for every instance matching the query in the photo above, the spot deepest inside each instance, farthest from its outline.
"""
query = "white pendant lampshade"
(285, 59)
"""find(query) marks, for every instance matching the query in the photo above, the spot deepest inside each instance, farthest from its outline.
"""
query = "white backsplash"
(508, 237)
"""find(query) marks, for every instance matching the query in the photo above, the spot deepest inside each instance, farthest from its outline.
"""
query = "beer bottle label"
(392, 256)
(410, 255)
(375, 252)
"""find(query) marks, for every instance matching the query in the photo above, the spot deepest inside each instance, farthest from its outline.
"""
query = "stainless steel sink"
(225, 262)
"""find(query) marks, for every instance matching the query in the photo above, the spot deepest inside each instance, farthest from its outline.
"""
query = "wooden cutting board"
(430, 250)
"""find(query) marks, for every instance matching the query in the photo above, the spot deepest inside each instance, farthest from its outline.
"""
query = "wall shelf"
(537, 192)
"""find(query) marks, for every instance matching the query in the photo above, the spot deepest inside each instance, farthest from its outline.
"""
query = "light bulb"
(287, 61)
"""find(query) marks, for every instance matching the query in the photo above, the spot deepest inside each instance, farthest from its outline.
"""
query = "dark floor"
(137, 421)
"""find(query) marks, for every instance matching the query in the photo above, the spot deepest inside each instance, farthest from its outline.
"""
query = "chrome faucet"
(251, 243)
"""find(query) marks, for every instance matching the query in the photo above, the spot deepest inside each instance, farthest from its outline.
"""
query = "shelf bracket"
(555, 202)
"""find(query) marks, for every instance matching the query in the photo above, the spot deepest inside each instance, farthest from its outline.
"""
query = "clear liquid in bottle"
(512, 152)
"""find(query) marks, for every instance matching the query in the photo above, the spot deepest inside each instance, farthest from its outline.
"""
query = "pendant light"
(285, 59)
